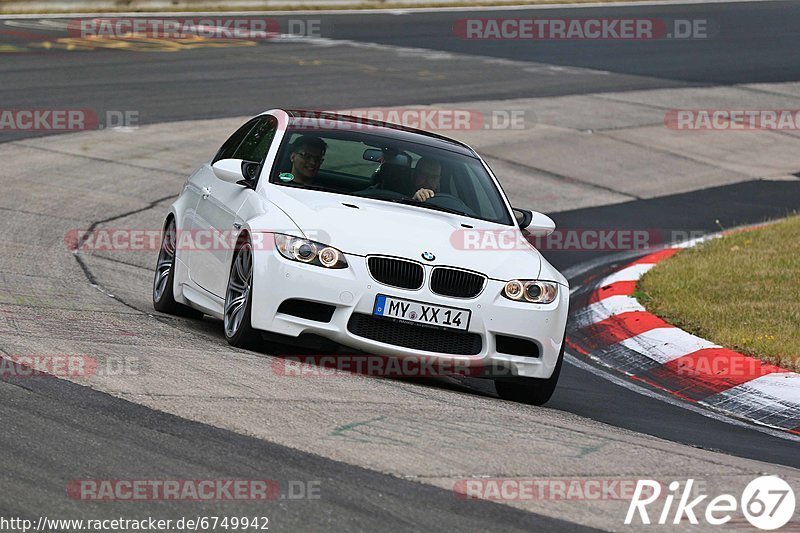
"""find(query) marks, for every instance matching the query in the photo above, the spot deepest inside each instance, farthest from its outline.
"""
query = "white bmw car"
(323, 228)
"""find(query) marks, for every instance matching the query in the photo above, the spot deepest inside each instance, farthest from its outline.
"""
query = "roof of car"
(302, 117)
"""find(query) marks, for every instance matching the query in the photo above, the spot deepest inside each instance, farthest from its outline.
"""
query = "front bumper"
(353, 290)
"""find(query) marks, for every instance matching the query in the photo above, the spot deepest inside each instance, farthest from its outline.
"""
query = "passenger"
(427, 178)
(307, 155)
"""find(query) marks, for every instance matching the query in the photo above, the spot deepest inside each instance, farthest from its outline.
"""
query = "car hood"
(363, 226)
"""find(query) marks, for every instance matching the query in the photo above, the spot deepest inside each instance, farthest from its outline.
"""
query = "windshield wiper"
(410, 201)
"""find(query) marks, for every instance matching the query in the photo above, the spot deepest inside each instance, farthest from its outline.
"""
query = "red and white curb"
(615, 330)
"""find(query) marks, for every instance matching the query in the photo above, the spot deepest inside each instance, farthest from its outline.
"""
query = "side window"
(256, 143)
(229, 148)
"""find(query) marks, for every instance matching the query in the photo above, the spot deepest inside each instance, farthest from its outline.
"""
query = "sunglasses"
(311, 157)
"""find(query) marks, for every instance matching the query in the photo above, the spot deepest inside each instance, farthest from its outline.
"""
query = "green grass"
(741, 291)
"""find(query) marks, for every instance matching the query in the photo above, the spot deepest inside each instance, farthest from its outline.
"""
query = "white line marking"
(402, 51)
(694, 242)
(769, 385)
(666, 344)
(783, 386)
(581, 268)
(622, 382)
(630, 273)
(386, 11)
(440, 55)
(613, 305)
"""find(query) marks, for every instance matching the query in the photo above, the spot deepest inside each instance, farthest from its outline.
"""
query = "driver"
(427, 178)
(306, 158)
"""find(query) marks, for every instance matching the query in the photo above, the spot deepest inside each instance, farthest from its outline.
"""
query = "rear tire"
(531, 391)
(163, 295)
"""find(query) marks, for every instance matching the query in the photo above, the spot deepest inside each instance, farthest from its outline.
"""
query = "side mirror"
(229, 170)
(533, 222)
(236, 171)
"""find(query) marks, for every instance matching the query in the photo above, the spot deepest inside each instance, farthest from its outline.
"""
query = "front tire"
(531, 391)
(163, 282)
(239, 299)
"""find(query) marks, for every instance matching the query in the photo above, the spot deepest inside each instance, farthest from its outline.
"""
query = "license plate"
(421, 313)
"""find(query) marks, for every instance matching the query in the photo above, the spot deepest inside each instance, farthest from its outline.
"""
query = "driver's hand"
(423, 194)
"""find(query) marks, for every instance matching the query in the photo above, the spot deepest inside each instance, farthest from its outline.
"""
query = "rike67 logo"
(768, 503)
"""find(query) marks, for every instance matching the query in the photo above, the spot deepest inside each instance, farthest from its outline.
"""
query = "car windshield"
(369, 165)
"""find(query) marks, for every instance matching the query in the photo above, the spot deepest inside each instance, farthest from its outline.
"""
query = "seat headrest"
(395, 178)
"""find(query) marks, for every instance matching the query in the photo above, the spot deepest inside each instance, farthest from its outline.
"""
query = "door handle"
(206, 192)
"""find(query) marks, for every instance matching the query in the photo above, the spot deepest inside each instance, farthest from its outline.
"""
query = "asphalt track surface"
(55, 430)
(759, 44)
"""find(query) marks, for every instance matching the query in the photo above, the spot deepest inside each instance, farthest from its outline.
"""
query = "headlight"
(533, 291)
(311, 252)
